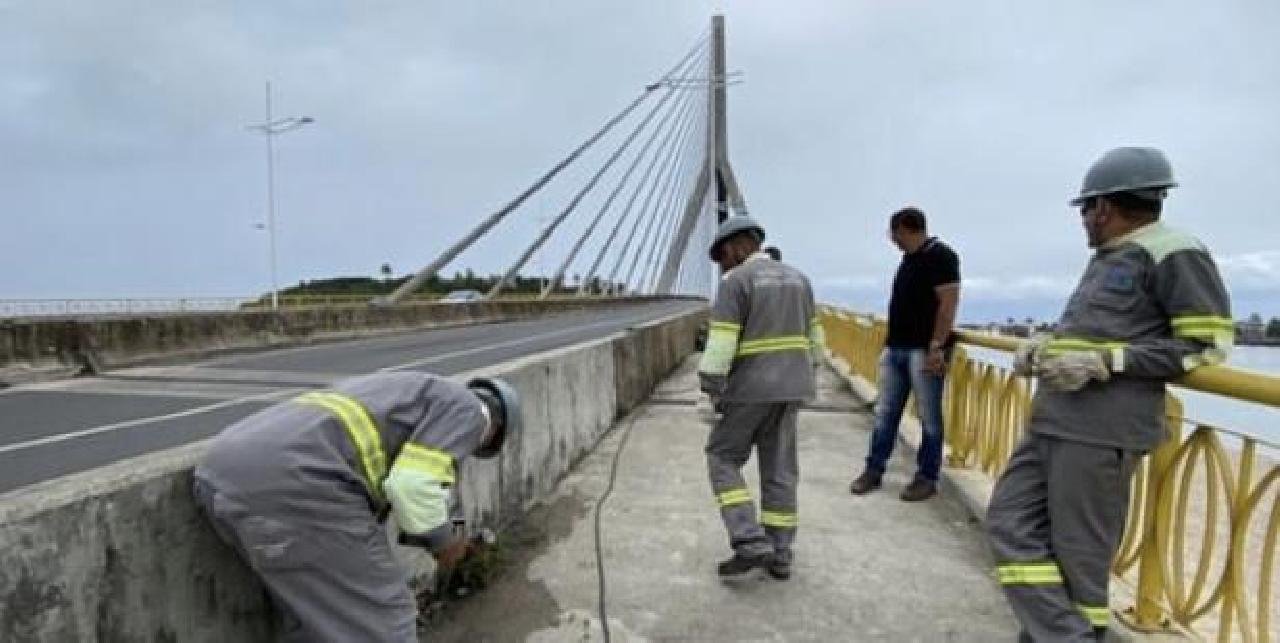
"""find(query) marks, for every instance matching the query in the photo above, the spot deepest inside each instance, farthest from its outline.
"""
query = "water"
(1222, 412)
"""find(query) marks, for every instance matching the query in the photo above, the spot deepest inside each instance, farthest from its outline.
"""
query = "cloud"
(1252, 271)
(124, 120)
(853, 283)
(982, 288)
(1026, 287)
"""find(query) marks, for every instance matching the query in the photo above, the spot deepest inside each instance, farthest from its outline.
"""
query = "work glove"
(1029, 353)
(1070, 371)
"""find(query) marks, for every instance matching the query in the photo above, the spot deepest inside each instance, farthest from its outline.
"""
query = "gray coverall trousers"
(327, 583)
(771, 429)
(1055, 521)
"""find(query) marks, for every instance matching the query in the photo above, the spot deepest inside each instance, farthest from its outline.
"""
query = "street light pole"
(271, 203)
(270, 128)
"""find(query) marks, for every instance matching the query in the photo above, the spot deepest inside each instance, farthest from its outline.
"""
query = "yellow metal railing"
(1200, 545)
(855, 338)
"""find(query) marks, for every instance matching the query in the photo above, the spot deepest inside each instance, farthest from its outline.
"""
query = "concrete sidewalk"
(867, 569)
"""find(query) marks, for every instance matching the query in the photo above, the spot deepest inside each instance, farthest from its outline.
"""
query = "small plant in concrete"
(484, 560)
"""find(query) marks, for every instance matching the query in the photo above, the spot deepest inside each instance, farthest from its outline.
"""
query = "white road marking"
(62, 437)
(488, 347)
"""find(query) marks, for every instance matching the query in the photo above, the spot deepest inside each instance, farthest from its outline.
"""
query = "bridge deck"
(867, 569)
(60, 427)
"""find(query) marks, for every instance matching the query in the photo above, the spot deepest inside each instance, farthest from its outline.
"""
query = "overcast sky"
(126, 171)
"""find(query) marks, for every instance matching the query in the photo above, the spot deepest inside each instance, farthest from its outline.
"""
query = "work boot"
(919, 489)
(865, 483)
(740, 565)
(780, 569)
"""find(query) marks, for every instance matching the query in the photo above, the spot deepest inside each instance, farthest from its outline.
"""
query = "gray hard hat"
(733, 226)
(1142, 171)
(496, 392)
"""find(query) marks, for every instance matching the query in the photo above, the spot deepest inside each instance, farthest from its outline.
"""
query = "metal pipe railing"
(1200, 545)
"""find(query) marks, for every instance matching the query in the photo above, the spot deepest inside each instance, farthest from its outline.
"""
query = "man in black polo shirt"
(926, 291)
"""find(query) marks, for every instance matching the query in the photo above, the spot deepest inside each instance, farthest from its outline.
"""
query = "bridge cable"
(670, 154)
(492, 220)
(665, 129)
(608, 202)
(660, 188)
(639, 187)
(675, 208)
(666, 226)
(685, 190)
(693, 268)
(577, 198)
(661, 220)
(696, 272)
(659, 211)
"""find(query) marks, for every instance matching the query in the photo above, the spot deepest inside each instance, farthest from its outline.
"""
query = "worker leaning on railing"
(1150, 307)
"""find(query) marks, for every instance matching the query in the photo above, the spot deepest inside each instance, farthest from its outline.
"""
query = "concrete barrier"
(122, 554)
(39, 348)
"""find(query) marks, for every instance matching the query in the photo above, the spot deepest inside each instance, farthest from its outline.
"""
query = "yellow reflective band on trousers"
(739, 496)
(1039, 573)
(1097, 615)
(429, 460)
(1060, 345)
(362, 432)
(783, 519)
(722, 343)
(1211, 329)
(773, 344)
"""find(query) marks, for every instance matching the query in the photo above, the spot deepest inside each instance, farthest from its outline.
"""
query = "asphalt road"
(56, 428)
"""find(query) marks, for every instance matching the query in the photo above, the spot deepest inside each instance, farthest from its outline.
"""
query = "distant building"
(1251, 330)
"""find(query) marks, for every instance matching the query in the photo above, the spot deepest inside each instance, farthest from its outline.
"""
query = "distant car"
(459, 296)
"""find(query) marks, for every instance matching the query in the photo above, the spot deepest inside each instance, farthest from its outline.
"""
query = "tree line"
(434, 285)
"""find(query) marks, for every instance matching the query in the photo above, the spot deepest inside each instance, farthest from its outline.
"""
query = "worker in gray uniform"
(300, 490)
(758, 366)
(1149, 308)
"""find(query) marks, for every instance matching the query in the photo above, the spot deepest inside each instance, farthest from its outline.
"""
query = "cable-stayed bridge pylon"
(661, 192)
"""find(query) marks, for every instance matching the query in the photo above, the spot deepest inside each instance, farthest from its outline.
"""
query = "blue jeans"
(901, 373)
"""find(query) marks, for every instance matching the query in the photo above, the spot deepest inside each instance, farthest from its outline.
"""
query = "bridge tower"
(717, 168)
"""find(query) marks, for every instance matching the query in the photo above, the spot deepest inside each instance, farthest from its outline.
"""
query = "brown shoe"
(919, 489)
(865, 483)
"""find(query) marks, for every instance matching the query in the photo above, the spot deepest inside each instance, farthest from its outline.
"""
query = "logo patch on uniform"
(1120, 279)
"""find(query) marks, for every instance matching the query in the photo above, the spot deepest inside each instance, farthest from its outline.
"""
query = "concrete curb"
(973, 489)
(41, 349)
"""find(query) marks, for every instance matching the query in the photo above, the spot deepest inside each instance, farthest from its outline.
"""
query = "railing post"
(954, 388)
(1147, 614)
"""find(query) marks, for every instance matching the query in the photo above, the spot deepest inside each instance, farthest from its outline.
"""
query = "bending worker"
(758, 366)
(1149, 308)
(299, 490)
